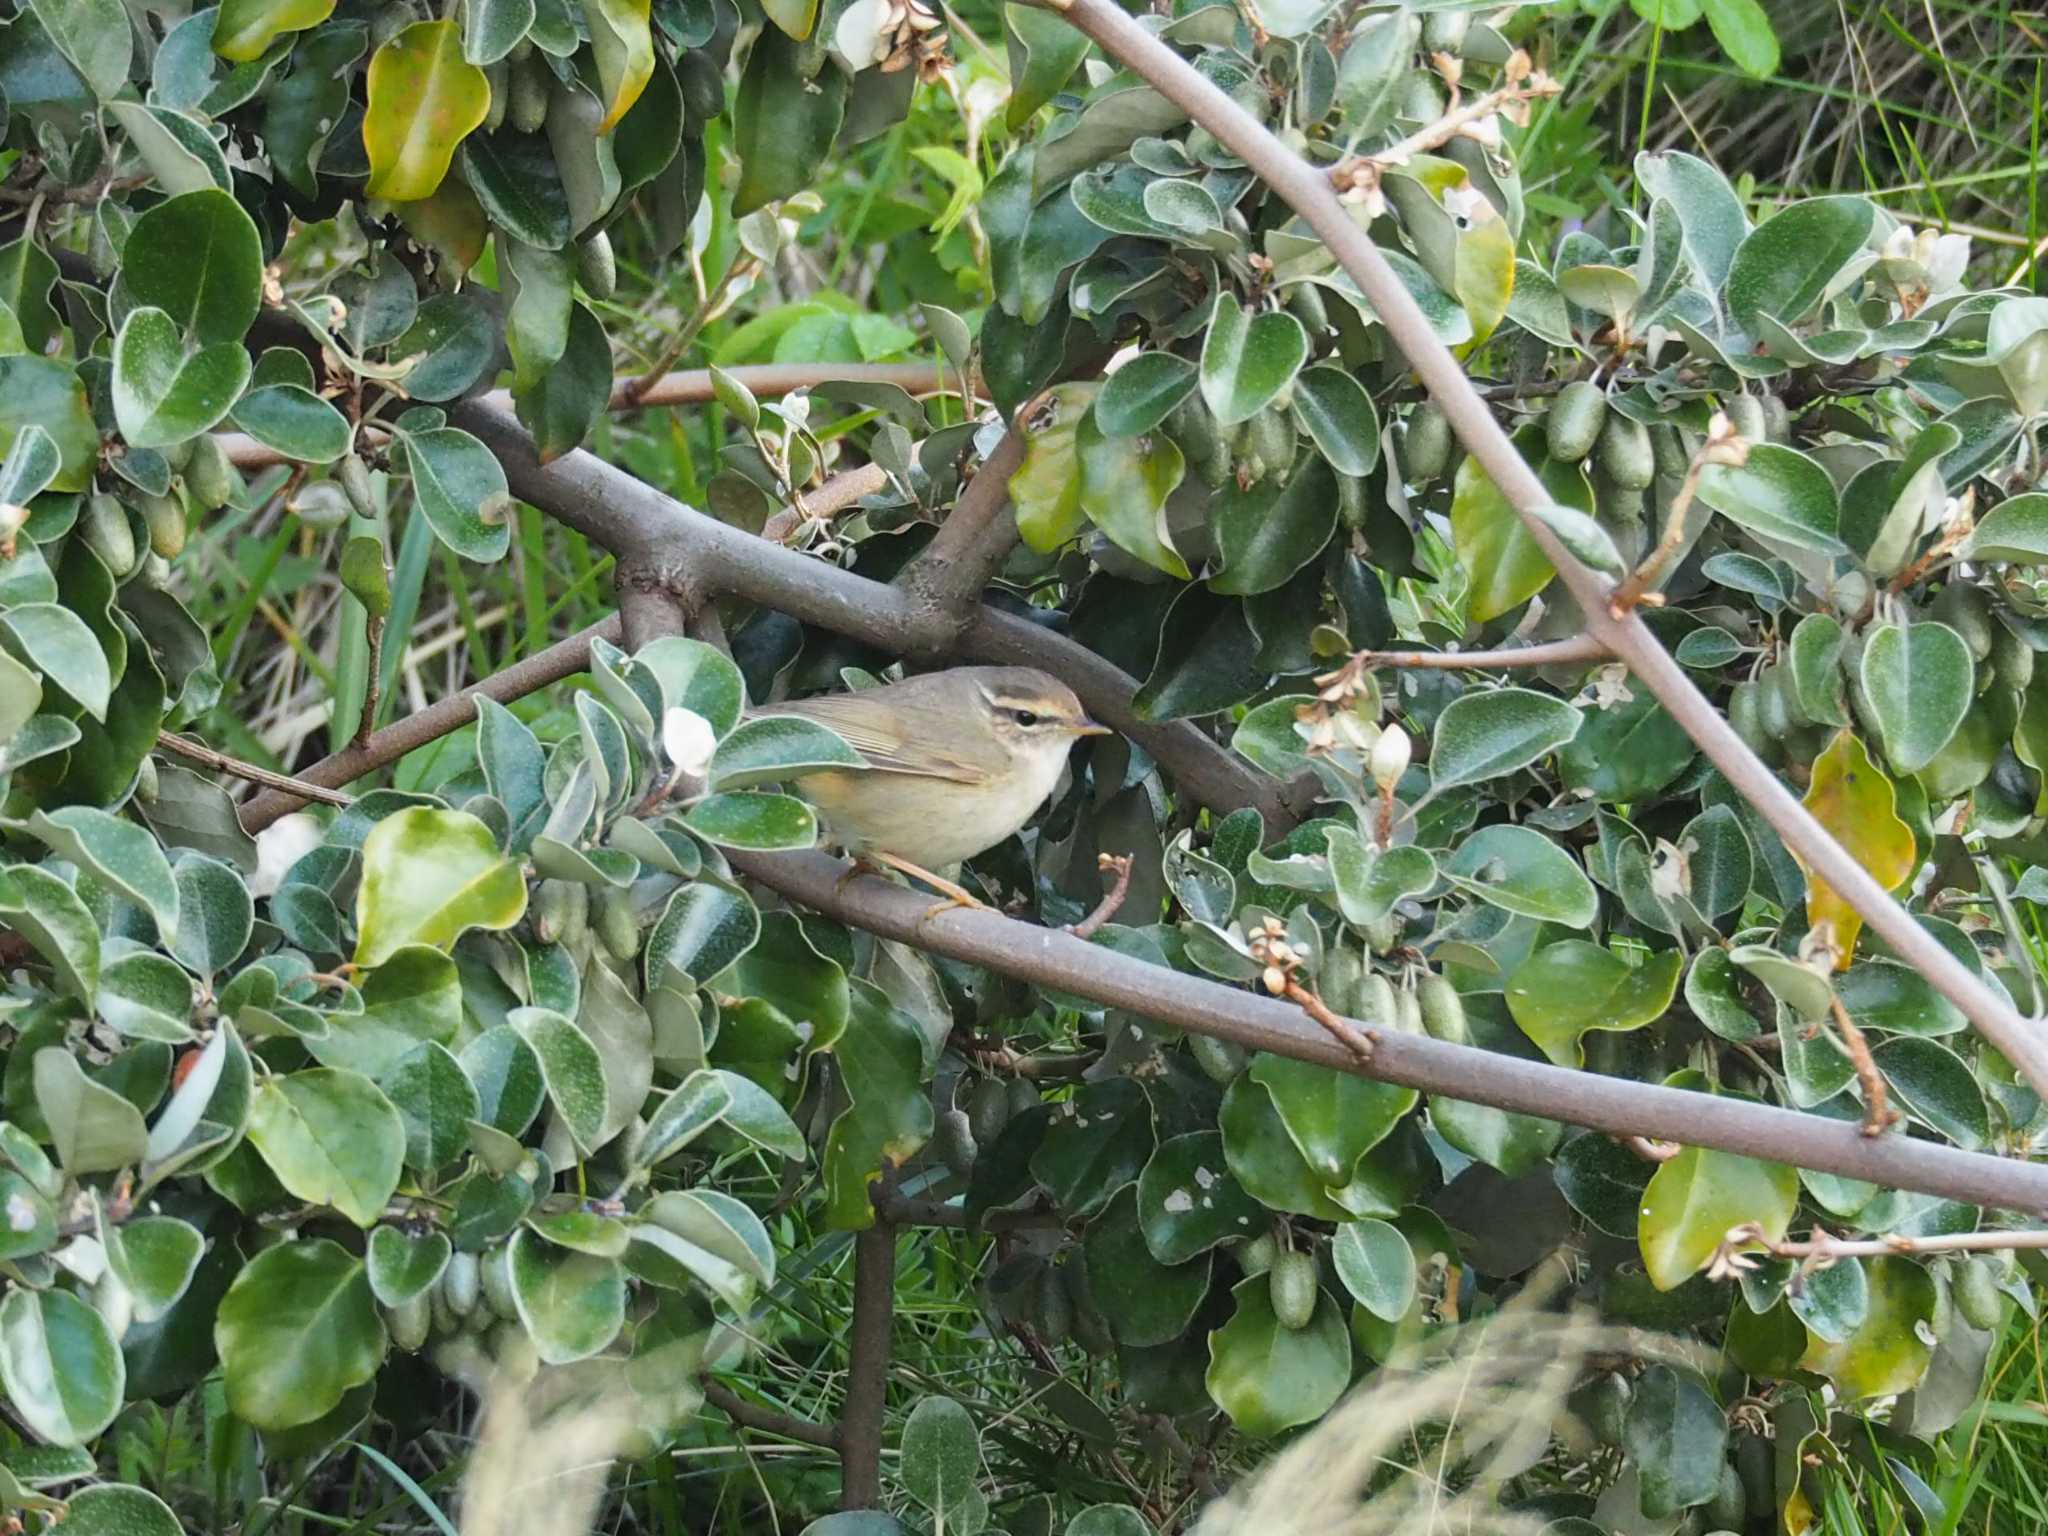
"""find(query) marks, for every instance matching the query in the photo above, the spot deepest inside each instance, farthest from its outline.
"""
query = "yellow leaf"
(424, 99)
(624, 44)
(245, 28)
(1851, 797)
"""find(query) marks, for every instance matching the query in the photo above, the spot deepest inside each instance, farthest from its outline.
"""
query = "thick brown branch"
(767, 1420)
(1307, 190)
(661, 542)
(867, 1364)
(1551, 653)
(1616, 1106)
(973, 542)
(220, 762)
(562, 659)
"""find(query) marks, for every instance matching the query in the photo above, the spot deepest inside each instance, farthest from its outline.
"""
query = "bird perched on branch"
(957, 761)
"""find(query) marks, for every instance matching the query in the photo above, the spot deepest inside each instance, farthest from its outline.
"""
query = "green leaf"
(1603, 1181)
(1377, 1265)
(92, 1128)
(118, 1509)
(57, 643)
(1502, 558)
(1787, 262)
(1566, 989)
(424, 99)
(459, 486)
(1936, 1087)
(941, 1458)
(703, 929)
(1188, 1201)
(573, 1304)
(245, 29)
(1695, 1198)
(1268, 1377)
(1264, 1158)
(784, 121)
(1044, 52)
(572, 1069)
(296, 1331)
(1269, 531)
(45, 393)
(332, 1138)
(1338, 415)
(696, 1105)
(1919, 679)
(60, 1364)
(1815, 657)
(1087, 1157)
(1046, 488)
(770, 748)
(197, 257)
(755, 820)
(1144, 1301)
(295, 422)
(1676, 1439)
(1482, 736)
(429, 876)
(1333, 1118)
(2015, 532)
(881, 1064)
(1890, 1351)
(1369, 881)
(623, 43)
(564, 403)
(118, 853)
(163, 394)
(1143, 392)
(155, 1257)
(33, 462)
(1247, 360)
(712, 1237)
(1627, 751)
(1709, 211)
(94, 35)
(1520, 870)
(402, 1265)
(1883, 994)
(1780, 493)
(1125, 482)
(435, 1101)
(216, 915)
(696, 677)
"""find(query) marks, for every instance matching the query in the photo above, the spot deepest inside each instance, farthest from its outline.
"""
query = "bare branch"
(767, 1420)
(1616, 1106)
(1118, 864)
(1877, 1113)
(1551, 653)
(563, 659)
(198, 752)
(867, 1363)
(972, 543)
(1750, 1238)
(1650, 1151)
(1307, 190)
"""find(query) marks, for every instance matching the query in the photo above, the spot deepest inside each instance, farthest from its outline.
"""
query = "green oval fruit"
(1408, 1012)
(1976, 1292)
(1745, 716)
(1444, 31)
(1426, 446)
(1746, 414)
(1781, 682)
(1777, 420)
(988, 1110)
(1053, 1313)
(354, 476)
(1443, 1009)
(498, 77)
(1023, 1094)
(445, 1321)
(1603, 1404)
(1728, 1509)
(1293, 1288)
(1966, 609)
(1340, 980)
(462, 1283)
(410, 1323)
(494, 1274)
(2012, 659)
(165, 517)
(1420, 100)
(1944, 1314)
(1351, 502)
(146, 787)
(561, 911)
(1382, 933)
(1576, 416)
(1192, 426)
(527, 110)
(1220, 1060)
(1775, 718)
(1667, 447)
(1377, 1003)
(209, 475)
(1272, 442)
(597, 266)
(1305, 300)
(1625, 452)
(955, 1138)
(321, 506)
(703, 85)
(618, 927)
(103, 524)
(1257, 1256)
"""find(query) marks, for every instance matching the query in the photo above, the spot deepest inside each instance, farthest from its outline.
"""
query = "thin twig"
(767, 1420)
(1112, 899)
(1550, 653)
(1649, 1149)
(1738, 1249)
(1631, 591)
(221, 762)
(367, 722)
(714, 302)
(1878, 1116)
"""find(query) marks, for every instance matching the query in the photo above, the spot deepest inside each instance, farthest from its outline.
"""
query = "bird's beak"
(1090, 728)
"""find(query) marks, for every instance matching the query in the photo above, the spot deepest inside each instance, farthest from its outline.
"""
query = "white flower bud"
(689, 741)
(1389, 759)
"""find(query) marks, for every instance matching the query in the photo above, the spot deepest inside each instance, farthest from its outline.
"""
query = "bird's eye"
(1024, 717)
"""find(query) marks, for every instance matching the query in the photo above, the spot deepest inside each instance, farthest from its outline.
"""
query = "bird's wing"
(881, 744)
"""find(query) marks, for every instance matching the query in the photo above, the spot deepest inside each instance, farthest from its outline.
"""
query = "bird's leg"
(956, 896)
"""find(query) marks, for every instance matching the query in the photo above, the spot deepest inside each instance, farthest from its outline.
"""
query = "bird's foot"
(955, 894)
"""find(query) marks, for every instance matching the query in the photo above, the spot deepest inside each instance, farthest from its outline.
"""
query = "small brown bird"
(957, 761)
